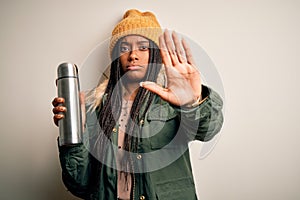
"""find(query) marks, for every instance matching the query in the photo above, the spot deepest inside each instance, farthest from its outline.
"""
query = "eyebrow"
(139, 42)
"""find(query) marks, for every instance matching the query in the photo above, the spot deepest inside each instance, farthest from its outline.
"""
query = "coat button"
(114, 130)
(142, 122)
(139, 156)
(142, 197)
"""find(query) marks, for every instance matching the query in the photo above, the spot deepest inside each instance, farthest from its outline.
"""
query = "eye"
(124, 49)
(143, 47)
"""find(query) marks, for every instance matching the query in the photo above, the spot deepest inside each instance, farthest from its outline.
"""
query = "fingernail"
(147, 83)
(141, 84)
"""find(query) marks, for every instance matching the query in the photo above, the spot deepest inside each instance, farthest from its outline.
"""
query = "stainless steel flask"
(70, 127)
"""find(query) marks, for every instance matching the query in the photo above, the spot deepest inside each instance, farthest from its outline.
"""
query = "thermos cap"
(67, 70)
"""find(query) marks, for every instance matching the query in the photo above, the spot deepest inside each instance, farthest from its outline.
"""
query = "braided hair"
(110, 109)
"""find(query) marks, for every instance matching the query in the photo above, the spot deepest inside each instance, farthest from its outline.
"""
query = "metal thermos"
(70, 127)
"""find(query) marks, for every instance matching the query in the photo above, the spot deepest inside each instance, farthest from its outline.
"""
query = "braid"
(111, 108)
(143, 96)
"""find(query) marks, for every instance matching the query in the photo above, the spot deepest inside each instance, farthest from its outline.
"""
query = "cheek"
(123, 60)
(145, 59)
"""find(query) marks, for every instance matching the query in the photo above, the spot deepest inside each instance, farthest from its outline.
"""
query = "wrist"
(197, 102)
(194, 103)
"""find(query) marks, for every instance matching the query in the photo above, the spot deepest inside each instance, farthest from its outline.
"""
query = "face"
(134, 57)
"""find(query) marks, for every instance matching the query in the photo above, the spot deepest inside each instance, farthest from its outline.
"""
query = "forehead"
(134, 39)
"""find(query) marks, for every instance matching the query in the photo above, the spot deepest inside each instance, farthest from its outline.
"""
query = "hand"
(183, 78)
(59, 109)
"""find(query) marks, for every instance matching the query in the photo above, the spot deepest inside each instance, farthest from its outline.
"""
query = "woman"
(139, 122)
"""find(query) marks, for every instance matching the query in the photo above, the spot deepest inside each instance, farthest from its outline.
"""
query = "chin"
(134, 76)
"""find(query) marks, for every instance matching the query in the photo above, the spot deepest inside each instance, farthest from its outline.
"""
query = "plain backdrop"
(254, 45)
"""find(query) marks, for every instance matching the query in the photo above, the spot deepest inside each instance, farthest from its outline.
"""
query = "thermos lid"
(67, 70)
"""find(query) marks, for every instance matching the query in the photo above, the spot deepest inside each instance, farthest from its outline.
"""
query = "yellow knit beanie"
(135, 22)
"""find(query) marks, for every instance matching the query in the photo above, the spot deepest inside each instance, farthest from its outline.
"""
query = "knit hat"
(135, 22)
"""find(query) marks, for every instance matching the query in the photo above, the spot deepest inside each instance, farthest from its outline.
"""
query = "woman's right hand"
(59, 108)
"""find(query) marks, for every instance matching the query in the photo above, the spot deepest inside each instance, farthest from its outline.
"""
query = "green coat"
(161, 164)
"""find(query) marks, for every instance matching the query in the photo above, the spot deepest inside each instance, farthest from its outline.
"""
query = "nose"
(133, 55)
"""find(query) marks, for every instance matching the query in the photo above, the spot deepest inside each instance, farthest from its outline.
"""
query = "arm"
(184, 88)
(204, 121)
(75, 164)
(74, 160)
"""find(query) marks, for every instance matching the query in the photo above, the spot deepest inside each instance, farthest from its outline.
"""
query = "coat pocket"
(176, 189)
(162, 123)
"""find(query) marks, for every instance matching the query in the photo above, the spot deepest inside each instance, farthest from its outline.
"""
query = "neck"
(131, 90)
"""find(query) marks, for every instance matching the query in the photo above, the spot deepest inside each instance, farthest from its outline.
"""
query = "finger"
(57, 117)
(82, 105)
(58, 100)
(170, 48)
(178, 48)
(188, 52)
(157, 89)
(59, 109)
(164, 52)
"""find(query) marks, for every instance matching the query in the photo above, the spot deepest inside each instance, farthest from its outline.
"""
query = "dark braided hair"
(111, 108)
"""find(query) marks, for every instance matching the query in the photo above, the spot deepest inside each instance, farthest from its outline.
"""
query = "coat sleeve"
(204, 121)
(77, 161)
(75, 165)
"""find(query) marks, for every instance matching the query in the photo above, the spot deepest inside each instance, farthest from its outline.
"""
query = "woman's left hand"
(183, 78)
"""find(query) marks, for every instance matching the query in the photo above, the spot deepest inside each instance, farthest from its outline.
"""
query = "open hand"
(183, 78)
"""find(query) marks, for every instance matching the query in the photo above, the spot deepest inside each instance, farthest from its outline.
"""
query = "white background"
(253, 43)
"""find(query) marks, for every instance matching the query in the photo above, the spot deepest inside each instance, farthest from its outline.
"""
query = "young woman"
(138, 123)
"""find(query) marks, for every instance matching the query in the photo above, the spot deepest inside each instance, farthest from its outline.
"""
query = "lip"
(133, 67)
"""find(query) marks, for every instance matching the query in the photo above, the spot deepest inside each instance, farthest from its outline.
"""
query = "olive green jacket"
(161, 165)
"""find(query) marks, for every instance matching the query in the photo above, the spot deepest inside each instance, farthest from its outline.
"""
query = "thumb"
(155, 88)
(82, 105)
(82, 98)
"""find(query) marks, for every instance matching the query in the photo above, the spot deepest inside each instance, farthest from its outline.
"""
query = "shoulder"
(95, 96)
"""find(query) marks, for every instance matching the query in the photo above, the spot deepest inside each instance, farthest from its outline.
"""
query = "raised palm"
(183, 78)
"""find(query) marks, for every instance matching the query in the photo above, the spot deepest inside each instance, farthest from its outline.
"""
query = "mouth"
(133, 67)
